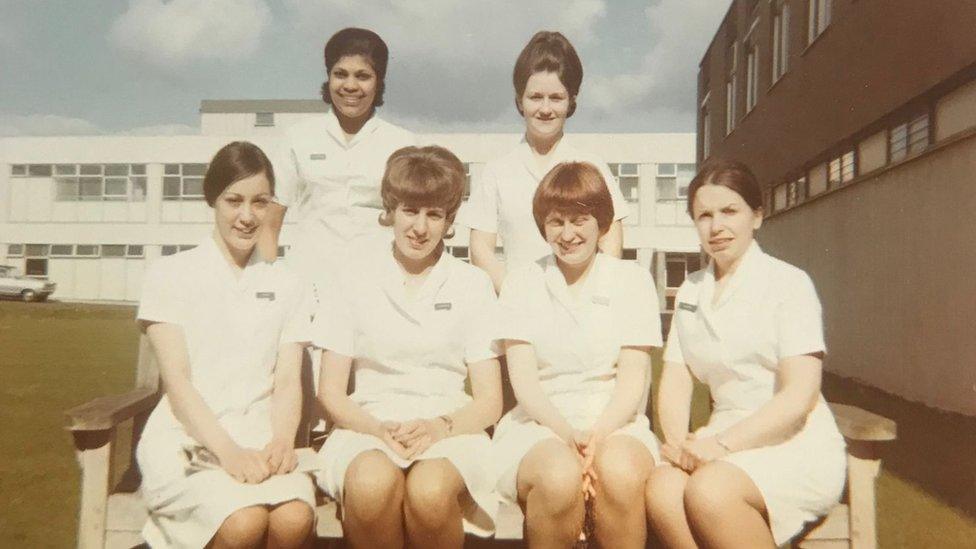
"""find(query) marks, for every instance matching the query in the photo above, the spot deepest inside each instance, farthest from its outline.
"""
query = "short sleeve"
(333, 327)
(672, 350)
(636, 312)
(515, 305)
(620, 207)
(481, 343)
(298, 321)
(481, 209)
(163, 295)
(799, 321)
(288, 183)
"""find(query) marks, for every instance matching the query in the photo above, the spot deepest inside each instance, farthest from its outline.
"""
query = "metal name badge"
(270, 296)
(442, 306)
(316, 156)
(601, 300)
(687, 306)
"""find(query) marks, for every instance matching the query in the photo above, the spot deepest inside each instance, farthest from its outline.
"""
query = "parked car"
(26, 288)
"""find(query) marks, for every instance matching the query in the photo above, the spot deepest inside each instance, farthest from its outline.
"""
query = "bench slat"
(106, 412)
(859, 424)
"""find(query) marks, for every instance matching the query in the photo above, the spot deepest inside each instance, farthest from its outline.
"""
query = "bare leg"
(725, 509)
(243, 529)
(372, 507)
(550, 480)
(432, 509)
(290, 525)
(622, 465)
(664, 497)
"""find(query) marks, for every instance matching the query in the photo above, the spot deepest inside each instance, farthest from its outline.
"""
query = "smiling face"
(417, 232)
(572, 236)
(545, 105)
(239, 211)
(352, 87)
(725, 224)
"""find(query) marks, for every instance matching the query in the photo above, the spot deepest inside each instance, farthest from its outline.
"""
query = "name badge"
(601, 300)
(316, 156)
(270, 296)
(442, 306)
(687, 306)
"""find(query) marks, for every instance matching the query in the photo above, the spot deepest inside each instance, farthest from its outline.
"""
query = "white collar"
(556, 155)
(334, 129)
(751, 261)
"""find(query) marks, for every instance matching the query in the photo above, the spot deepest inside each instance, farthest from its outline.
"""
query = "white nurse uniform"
(768, 311)
(233, 325)
(333, 187)
(501, 201)
(577, 342)
(410, 360)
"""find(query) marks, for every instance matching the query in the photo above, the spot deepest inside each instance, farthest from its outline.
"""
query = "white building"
(89, 212)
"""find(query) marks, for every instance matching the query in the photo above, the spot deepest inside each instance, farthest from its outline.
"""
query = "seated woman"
(578, 328)
(748, 325)
(228, 330)
(408, 455)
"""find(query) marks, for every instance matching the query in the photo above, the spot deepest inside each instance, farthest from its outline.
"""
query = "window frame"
(780, 36)
(179, 176)
(819, 14)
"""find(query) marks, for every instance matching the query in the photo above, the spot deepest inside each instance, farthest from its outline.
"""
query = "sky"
(141, 67)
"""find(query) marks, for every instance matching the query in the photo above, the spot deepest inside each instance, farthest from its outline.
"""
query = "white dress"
(577, 343)
(411, 358)
(768, 311)
(501, 199)
(233, 327)
(332, 187)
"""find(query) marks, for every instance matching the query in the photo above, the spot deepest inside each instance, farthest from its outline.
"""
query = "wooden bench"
(112, 513)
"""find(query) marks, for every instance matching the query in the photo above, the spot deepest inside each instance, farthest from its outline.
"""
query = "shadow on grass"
(935, 450)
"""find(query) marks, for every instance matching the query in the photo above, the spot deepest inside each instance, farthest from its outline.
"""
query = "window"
(36, 262)
(629, 254)
(183, 181)
(779, 197)
(39, 170)
(781, 39)
(842, 169)
(908, 138)
(706, 130)
(460, 252)
(628, 180)
(35, 250)
(100, 182)
(796, 192)
(86, 250)
(18, 170)
(170, 249)
(677, 266)
(730, 86)
(62, 249)
(673, 181)
(752, 76)
(818, 17)
(467, 182)
(264, 119)
(15, 250)
(113, 250)
(134, 250)
(282, 250)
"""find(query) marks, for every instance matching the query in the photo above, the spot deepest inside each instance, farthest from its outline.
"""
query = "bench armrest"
(109, 411)
(861, 425)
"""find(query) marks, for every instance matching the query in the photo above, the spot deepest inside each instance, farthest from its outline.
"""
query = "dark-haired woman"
(578, 329)
(217, 455)
(749, 326)
(547, 79)
(333, 162)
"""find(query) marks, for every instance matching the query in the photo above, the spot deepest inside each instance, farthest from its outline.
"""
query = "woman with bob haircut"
(579, 326)
(547, 79)
(749, 326)
(407, 459)
(228, 329)
(331, 167)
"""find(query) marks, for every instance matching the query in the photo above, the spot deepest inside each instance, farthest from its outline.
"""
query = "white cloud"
(16, 125)
(163, 129)
(172, 34)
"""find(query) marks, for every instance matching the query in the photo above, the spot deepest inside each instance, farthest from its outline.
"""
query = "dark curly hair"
(355, 41)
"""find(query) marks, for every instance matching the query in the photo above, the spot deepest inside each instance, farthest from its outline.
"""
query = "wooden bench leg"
(862, 472)
(95, 458)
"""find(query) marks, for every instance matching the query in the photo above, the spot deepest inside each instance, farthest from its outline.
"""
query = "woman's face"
(725, 223)
(572, 236)
(545, 105)
(417, 231)
(240, 210)
(352, 87)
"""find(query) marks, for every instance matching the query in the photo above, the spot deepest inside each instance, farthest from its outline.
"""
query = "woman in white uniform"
(217, 454)
(578, 329)
(408, 458)
(330, 170)
(547, 78)
(749, 326)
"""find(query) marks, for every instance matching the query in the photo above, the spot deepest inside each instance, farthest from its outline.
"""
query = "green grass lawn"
(56, 355)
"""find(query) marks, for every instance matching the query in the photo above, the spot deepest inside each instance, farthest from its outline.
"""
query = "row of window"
(75, 250)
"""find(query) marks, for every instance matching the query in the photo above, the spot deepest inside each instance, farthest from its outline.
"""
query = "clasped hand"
(253, 466)
(585, 444)
(693, 452)
(409, 439)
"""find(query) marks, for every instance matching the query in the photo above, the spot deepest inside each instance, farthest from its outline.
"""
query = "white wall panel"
(112, 278)
(134, 269)
(115, 211)
(39, 199)
(86, 278)
(18, 199)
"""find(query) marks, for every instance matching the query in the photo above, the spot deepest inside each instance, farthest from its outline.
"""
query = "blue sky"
(142, 66)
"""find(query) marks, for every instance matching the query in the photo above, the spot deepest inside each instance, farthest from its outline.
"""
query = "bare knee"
(708, 493)
(432, 490)
(290, 523)
(664, 492)
(622, 466)
(557, 485)
(243, 528)
(373, 486)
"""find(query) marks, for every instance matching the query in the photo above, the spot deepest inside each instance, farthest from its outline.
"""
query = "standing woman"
(333, 162)
(579, 327)
(408, 457)
(228, 330)
(547, 78)
(749, 326)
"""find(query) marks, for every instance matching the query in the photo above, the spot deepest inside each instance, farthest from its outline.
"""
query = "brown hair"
(730, 174)
(233, 162)
(549, 51)
(355, 41)
(428, 176)
(576, 188)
